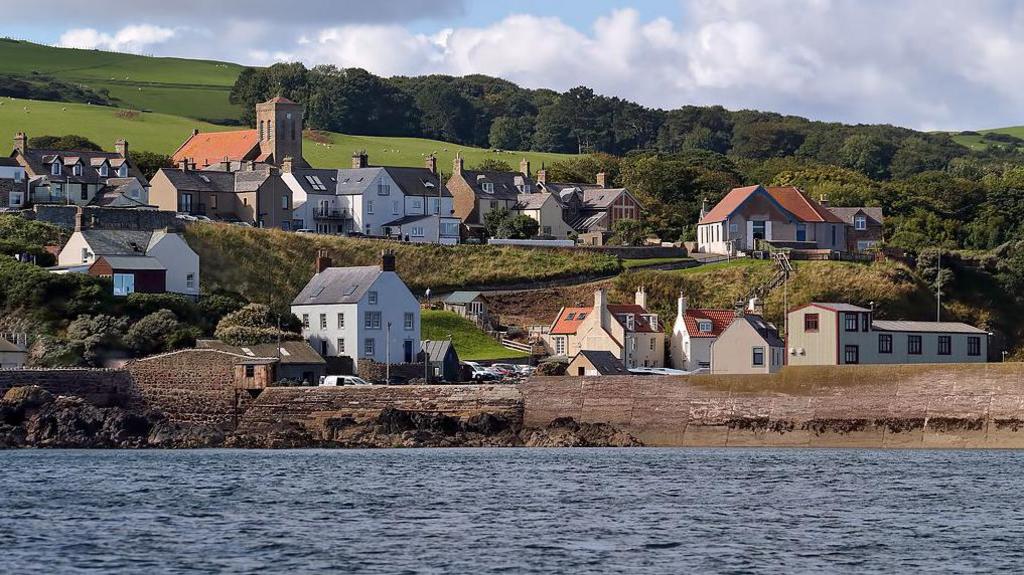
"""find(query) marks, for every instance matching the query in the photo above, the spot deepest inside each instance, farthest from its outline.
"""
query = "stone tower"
(279, 129)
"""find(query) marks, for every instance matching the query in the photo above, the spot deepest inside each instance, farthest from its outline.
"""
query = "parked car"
(356, 235)
(478, 372)
(397, 380)
(337, 380)
(204, 219)
(304, 231)
(186, 217)
(526, 370)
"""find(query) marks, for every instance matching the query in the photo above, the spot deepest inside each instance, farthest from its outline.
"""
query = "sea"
(511, 511)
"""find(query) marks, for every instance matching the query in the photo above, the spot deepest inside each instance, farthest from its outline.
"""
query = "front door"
(407, 350)
(801, 232)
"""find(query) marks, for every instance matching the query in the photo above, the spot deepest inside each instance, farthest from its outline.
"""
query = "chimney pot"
(641, 297)
(431, 163)
(322, 261)
(602, 180)
(287, 164)
(121, 147)
(524, 167)
(458, 163)
(195, 131)
(387, 261)
(183, 164)
(681, 304)
(360, 159)
(21, 142)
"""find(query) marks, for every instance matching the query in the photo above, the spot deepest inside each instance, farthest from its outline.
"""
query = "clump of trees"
(506, 224)
(255, 324)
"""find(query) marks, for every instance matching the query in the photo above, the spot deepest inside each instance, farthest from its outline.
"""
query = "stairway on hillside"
(783, 268)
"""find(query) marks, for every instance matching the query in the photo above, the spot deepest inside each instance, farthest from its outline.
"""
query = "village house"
(136, 261)
(589, 363)
(748, 345)
(471, 305)
(782, 216)
(845, 334)
(296, 360)
(475, 193)
(694, 332)
(442, 359)
(547, 209)
(277, 136)
(13, 185)
(592, 208)
(628, 331)
(363, 312)
(256, 195)
(76, 177)
(13, 355)
(864, 226)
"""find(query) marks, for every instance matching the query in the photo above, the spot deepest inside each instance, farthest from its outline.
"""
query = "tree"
(149, 163)
(584, 169)
(492, 165)
(628, 233)
(506, 224)
(445, 114)
(157, 332)
(67, 142)
(254, 324)
(511, 133)
(761, 140)
(870, 155)
(94, 337)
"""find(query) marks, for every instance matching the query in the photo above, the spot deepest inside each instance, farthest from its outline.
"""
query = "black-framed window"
(914, 345)
(885, 343)
(758, 357)
(851, 321)
(974, 345)
(865, 322)
(811, 322)
(851, 354)
(945, 345)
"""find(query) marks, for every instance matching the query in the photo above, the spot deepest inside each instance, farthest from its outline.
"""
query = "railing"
(330, 214)
(516, 346)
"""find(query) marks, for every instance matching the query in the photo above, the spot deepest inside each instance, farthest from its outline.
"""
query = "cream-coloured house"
(748, 345)
(845, 334)
(546, 208)
(628, 331)
(693, 333)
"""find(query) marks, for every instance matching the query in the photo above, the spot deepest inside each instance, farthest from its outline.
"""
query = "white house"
(134, 254)
(693, 333)
(363, 312)
(748, 345)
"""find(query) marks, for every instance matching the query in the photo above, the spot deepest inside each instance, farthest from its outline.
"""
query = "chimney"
(641, 297)
(252, 165)
(602, 180)
(360, 159)
(121, 147)
(195, 131)
(601, 307)
(225, 164)
(79, 219)
(542, 175)
(322, 261)
(524, 167)
(457, 164)
(431, 163)
(21, 142)
(387, 261)
(755, 306)
(287, 164)
(681, 305)
(183, 164)
(823, 200)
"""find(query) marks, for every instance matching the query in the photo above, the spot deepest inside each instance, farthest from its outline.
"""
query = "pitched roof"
(534, 201)
(837, 306)
(601, 198)
(39, 161)
(118, 242)
(639, 324)
(312, 180)
(8, 347)
(719, 318)
(207, 148)
(279, 100)
(789, 198)
(570, 318)
(116, 195)
(417, 181)
(437, 349)
(462, 297)
(132, 262)
(504, 183)
(290, 352)
(847, 214)
(766, 330)
(338, 285)
(200, 181)
(604, 362)
(926, 326)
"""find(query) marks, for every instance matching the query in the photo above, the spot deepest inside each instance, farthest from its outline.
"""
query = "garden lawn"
(471, 343)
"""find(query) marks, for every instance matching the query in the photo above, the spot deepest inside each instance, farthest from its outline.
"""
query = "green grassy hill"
(164, 133)
(471, 343)
(979, 142)
(193, 88)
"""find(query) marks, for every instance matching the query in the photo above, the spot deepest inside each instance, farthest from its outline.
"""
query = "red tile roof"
(206, 148)
(790, 198)
(565, 326)
(279, 100)
(720, 319)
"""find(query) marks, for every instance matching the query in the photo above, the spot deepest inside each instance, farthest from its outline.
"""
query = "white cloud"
(134, 38)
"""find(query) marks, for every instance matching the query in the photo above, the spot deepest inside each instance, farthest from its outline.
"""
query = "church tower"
(279, 129)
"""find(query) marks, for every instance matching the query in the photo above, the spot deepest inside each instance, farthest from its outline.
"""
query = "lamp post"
(387, 355)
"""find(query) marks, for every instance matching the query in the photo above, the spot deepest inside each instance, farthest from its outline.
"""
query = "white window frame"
(860, 223)
(383, 189)
(341, 345)
(369, 347)
(560, 345)
(190, 281)
(323, 321)
(369, 208)
(55, 168)
(409, 320)
(372, 319)
(341, 321)
(371, 298)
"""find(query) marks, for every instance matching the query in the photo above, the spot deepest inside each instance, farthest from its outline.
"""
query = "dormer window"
(581, 316)
(860, 222)
(122, 172)
(571, 316)
(55, 167)
(704, 326)
(487, 187)
(76, 170)
(104, 170)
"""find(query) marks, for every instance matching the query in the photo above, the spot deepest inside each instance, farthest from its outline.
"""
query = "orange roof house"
(207, 149)
(782, 216)
(693, 333)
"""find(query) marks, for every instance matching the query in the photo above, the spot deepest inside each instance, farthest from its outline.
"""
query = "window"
(974, 346)
(945, 345)
(383, 189)
(316, 183)
(435, 206)
(262, 131)
(758, 358)
(833, 235)
(571, 316)
(185, 203)
(55, 167)
(851, 354)
(104, 169)
(417, 204)
(124, 284)
(758, 231)
(449, 229)
(417, 231)
(16, 199)
(84, 194)
(851, 321)
(284, 202)
(580, 316)
(85, 255)
(487, 187)
(705, 326)
(369, 346)
(371, 298)
(371, 320)
(323, 321)
(494, 204)
(341, 321)
(546, 230)
(733, 228)
(76, 170)
(885, 343)
(811, 322)
(559, 346)
(341, 345)
(213, 201)
(250, 371)
(369, 209)
(864, 320)
(408, 320)
(652, 344)
(190, 281)
(914, 344)
(245, 201)
(860, 222)
(305, 320)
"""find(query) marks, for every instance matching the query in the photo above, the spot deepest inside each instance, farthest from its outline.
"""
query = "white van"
(336, 380)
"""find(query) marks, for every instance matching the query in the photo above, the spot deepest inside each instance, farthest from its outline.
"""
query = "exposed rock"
(566, 432)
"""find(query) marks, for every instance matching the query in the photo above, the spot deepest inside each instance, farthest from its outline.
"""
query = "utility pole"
(440, 182)
(938, 290)
(387, 356)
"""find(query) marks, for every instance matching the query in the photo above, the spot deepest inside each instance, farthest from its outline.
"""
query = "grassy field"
(979, 143)
(193, 88)
(271, 266)
(639, 263)
(164, 133)
(470, 342)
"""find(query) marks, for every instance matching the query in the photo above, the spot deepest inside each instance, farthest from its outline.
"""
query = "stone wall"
(376, 372)
(103, 387)
(312, 407)
(968, 405)
(106, 218)
(192, 386)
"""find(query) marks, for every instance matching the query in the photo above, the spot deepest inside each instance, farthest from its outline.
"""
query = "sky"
(925, 64)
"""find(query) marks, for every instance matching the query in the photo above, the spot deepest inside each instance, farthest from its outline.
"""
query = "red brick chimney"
(21, 142)
(602, 180)
(360, 159)
(431, 163)
(387, 261)
(322, 261)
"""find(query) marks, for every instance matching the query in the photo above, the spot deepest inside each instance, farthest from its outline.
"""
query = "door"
(407, 351)
(801, 232)
(323, 347)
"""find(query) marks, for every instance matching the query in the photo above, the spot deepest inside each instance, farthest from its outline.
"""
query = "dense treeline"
(43, 87)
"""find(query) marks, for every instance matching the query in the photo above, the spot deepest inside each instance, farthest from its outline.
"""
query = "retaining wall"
(192, 386)
(979, 405)
(103, 387)
(106, 218)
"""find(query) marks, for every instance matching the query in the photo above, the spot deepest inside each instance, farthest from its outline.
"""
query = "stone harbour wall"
(192, 386)
(106, 218)
(967, 405)
(102, 387)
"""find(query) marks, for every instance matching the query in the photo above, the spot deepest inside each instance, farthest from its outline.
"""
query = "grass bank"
(471, 343)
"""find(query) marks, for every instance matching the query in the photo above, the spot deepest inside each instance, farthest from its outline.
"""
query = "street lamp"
(387, 355)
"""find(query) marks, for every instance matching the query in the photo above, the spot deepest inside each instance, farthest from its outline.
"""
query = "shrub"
(157, 332)
(93, 337)
(255, 324)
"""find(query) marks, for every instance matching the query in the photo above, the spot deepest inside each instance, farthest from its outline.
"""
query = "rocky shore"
(32, 417)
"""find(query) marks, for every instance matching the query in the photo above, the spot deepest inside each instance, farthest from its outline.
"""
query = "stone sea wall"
(979, 405)
(101, 387)
(192, 387)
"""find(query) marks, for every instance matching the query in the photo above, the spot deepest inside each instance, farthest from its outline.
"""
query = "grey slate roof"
(926, 327)
(534, 201)
(118, 242)
(329, 178)
(39, 160)
(846, 214)
(6, 346)
(605, 362)
(133, 262)
(9, 162)
(200, 181)
(764, 329)
(504, 183)
(840, 306)
(437, 349)
(601, 198)
(290, 352)
(462, 297)
(338, 285)
(411, 181)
